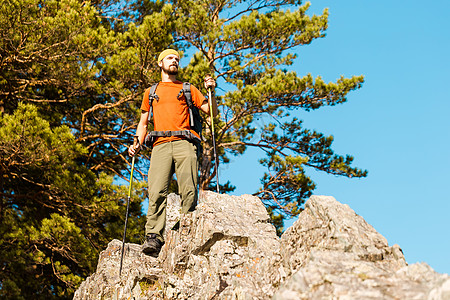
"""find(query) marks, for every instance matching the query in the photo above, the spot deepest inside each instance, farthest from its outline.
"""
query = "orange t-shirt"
(169, 112)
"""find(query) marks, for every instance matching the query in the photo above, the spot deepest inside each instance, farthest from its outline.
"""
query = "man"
(170, 153)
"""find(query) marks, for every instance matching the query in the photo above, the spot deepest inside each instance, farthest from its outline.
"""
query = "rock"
(138, 269)
(227, 249)
(326, 225)
(331, 251)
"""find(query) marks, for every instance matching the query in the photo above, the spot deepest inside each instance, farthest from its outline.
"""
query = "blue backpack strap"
(152, 96)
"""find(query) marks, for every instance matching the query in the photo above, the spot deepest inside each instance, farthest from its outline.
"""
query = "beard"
(171, 70)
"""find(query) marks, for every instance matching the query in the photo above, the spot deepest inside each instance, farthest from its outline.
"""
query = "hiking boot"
(152, 245)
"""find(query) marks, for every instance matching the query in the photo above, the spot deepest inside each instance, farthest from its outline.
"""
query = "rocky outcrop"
(227, 249)
(332, 253)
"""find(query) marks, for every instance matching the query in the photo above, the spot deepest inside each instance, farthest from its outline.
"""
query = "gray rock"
(138, 270)
(227, 249)
(332, 253)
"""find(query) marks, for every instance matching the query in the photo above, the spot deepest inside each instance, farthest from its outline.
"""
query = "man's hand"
(209, 82)
(134, 149)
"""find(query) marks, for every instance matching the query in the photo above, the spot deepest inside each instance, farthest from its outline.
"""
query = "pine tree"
(55, 214)
(247, 45)
(84, 68)
(58, 207)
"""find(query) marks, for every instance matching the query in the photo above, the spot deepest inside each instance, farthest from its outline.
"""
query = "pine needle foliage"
(72, 76)
(248, 46)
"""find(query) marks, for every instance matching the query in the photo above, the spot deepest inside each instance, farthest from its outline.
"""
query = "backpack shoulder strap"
(187, 93)
(188, 96)
(152, 96)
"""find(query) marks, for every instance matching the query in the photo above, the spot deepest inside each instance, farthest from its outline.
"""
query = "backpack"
(195, 120)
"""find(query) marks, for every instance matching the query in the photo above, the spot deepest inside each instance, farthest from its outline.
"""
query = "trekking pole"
(213, 139)
(136, 141)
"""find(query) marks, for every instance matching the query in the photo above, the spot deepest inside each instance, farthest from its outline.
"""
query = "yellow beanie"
(167, 52)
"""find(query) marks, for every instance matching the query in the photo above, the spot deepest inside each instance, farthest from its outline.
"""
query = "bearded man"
(171, 154)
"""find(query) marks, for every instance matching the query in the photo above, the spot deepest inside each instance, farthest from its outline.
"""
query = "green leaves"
(246, 44)
(55, 214)
(68, 247)
(30, 147)
(85, 67)
(45, 32)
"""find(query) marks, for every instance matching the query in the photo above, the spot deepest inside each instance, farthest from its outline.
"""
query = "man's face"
(170, 64)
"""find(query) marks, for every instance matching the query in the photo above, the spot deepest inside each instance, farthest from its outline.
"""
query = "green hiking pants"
(179, 157)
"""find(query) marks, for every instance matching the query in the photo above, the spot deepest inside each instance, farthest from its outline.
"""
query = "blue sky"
(397, 126)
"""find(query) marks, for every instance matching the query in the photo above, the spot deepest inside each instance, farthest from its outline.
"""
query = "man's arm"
(205, 106)
(141, 132)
